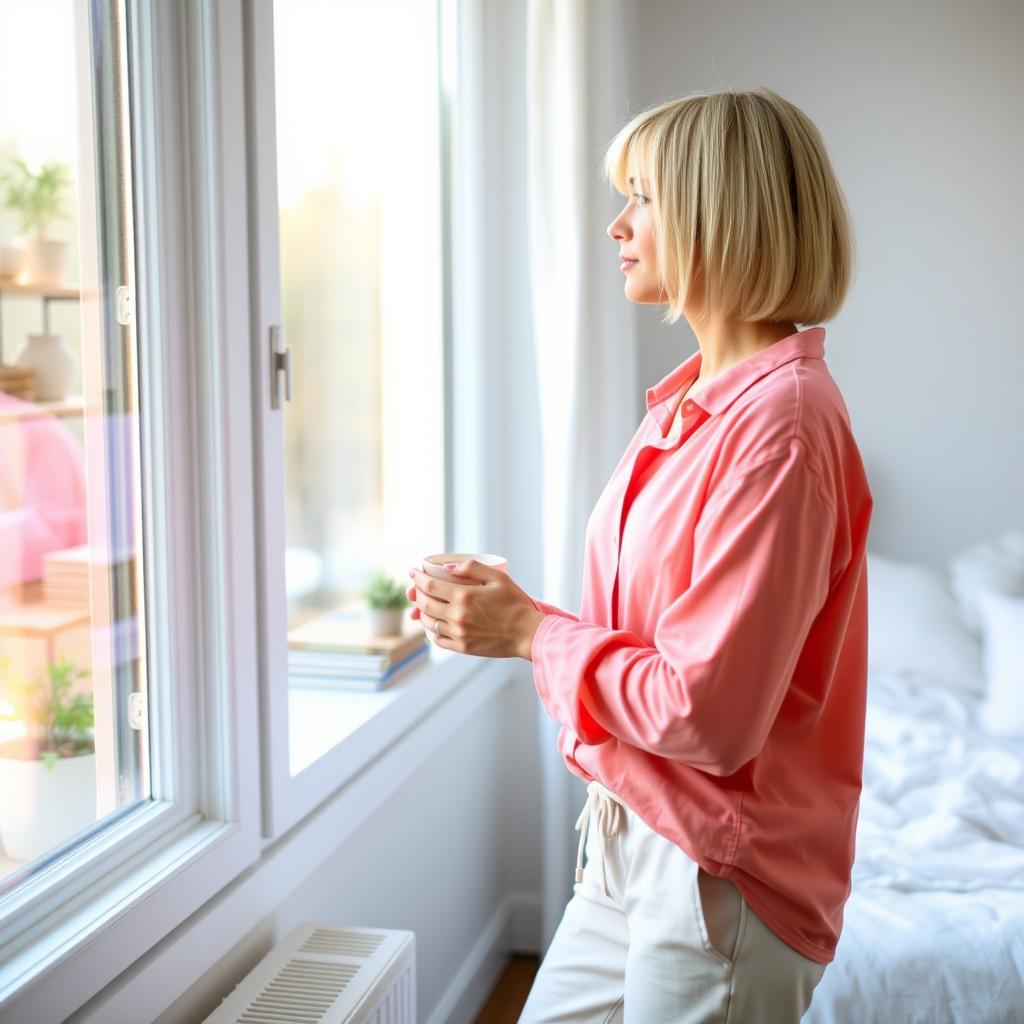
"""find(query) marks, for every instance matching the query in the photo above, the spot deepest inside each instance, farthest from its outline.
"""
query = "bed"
(934, 927)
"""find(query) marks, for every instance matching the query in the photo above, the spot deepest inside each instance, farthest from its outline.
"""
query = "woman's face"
(633, 229)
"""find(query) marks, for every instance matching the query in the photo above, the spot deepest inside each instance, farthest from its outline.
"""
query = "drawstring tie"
(610, 820)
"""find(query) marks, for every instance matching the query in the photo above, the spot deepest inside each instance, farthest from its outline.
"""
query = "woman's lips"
(627, 265)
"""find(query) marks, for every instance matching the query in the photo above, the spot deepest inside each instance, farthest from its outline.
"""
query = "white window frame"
(287, 798)
(89, 916)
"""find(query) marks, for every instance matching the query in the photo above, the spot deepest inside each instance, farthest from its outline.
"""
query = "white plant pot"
(385, 621)
(12, 261)
(47, 261)
(53, 362)
(41, 809)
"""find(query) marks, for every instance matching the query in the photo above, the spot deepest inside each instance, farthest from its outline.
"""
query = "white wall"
(919, 106)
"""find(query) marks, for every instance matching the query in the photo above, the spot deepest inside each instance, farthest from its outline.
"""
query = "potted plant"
(386, 601)
(38, 199)
(48, 775)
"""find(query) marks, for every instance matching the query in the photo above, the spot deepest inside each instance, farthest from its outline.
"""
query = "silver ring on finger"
(437, 627)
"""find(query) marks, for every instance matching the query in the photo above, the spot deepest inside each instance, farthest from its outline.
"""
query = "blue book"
(345, 679)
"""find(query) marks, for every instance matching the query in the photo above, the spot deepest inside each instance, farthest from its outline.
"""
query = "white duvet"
(934, 928)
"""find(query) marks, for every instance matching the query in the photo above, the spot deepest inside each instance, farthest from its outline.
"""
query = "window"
(339, 253)
(150, 545)
(73, 720)
(347, 157)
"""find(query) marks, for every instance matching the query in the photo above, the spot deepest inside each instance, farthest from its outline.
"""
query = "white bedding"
(934, 928)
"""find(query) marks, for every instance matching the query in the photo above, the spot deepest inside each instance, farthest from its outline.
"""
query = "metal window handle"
(280, 361)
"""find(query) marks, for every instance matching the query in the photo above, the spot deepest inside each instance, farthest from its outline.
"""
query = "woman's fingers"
(410, 593)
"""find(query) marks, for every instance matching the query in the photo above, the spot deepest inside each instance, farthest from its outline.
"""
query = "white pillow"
(1002, 620)
(994, 565)
(914, 626)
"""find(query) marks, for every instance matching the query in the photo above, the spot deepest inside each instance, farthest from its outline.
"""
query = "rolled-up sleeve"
(706, 694)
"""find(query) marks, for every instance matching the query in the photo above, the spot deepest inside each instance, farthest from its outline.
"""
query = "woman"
(712, 690)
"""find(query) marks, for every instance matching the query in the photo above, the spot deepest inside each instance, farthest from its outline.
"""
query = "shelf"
(72, 405)
(39, 619)
(25, 612)
(10, 286)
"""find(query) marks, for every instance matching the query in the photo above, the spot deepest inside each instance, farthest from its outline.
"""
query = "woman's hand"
(489, 615)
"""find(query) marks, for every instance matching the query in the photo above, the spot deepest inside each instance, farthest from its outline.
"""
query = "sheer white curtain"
(583, 329)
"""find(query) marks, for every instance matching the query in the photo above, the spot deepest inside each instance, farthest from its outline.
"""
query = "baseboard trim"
(514, 927)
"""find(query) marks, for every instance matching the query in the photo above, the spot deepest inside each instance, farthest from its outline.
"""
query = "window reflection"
(73, 746)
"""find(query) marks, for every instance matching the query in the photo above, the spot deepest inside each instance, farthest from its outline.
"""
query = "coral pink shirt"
(716, 676)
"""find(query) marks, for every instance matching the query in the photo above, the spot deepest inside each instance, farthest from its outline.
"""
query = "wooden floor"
(506, 1001)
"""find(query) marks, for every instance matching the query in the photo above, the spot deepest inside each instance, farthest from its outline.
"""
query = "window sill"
(336, 734)
(319, 718)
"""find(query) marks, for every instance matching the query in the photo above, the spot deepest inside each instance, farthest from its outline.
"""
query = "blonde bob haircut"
(743, 193)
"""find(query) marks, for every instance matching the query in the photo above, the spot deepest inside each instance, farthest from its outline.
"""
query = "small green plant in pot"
(38, 198)
(386, 602)
(47, 776)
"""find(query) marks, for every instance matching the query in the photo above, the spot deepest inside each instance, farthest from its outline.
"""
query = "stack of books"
(69, 576)
(336, 650)
(19, 381)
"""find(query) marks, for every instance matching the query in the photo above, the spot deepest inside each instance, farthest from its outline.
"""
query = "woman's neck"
(724, 343)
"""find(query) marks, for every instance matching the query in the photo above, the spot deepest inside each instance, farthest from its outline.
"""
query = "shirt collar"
(720, 392)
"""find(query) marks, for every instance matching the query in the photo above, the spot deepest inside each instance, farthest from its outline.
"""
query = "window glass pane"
(73, 749)
(359, 213)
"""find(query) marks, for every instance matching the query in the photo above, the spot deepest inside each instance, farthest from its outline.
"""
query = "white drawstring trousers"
(658, 940)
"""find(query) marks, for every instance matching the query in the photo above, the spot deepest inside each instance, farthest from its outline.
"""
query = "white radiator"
(322, 974)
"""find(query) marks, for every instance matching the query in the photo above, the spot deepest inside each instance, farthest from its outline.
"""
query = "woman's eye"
(641, 200)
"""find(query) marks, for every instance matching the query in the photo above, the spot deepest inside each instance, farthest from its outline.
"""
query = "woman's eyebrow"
(643, 181)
